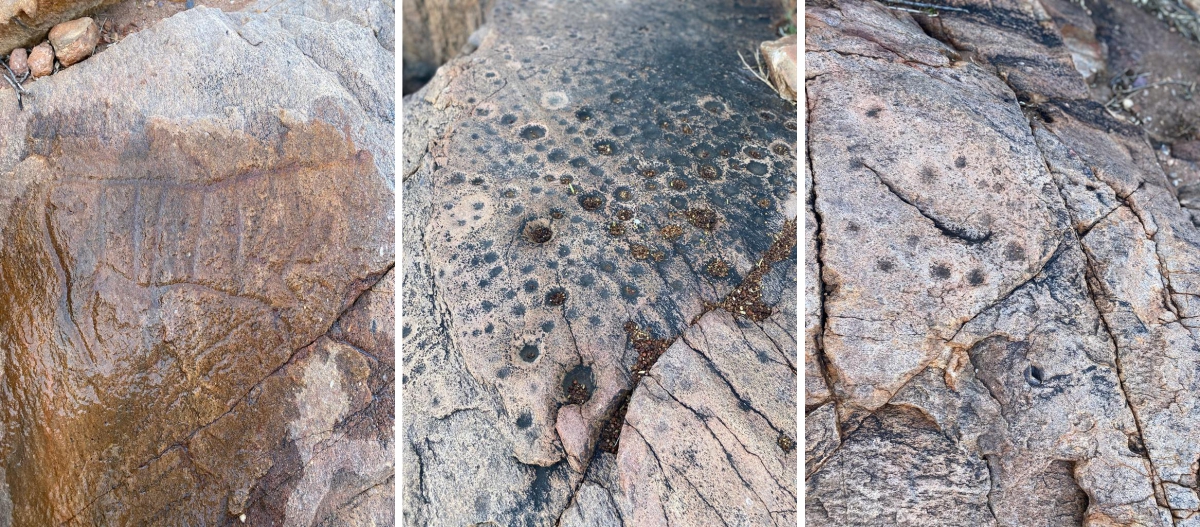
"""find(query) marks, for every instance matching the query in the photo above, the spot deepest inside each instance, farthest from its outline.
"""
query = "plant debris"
(649, 349)
(745, 300)
(577, 393)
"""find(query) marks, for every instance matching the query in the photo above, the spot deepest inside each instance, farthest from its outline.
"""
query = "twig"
(15, 83)
(1122, 94)
(759, 73)
(929, 12)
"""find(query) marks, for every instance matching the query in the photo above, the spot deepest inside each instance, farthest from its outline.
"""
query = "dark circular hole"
(703, 218)
(616, 229)
(533, 131)
(556, 297)
(782, 150)
(591, 202)
(624, 215)
(708, 172)
(679, 184)
(649, 172)
(508, 119)
(584, 115)
(639, 252)
(786, 443)
(556, 214)
(623, 194)
(1034, 375)
(605, 148)
(529, 352)
(538, 231)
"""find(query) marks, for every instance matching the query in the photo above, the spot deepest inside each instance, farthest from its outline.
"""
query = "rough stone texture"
(18, 62)
(569, 216)
(24, 23)
(41, 60)
(196, 274)
(75, 40)
(1029, 351)
(701, 443)
(781, 63)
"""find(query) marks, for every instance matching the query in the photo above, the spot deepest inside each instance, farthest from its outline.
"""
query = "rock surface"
(781, 65)
(75, 40)
(1005, 319)
(18, 62)
(196, 274)
(571, 217)
(41, 60)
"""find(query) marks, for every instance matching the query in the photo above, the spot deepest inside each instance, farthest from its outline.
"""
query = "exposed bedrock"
(600, 260)
(1006, 321)
(196, 277)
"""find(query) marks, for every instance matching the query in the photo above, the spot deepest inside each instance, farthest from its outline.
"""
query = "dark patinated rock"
(563, 211)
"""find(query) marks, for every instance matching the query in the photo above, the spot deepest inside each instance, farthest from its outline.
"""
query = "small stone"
(780, 57)
(41, 60)
(18, 62)
(1127, 103)
(75, 40)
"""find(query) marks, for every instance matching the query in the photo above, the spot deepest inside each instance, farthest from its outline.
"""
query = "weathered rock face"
(570, 219)
(1004, 314)
(195, 275)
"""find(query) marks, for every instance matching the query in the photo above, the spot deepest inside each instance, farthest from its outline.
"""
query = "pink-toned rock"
(18, 62)
(41, 60)
(781, 65)
(75, 40)
(719, 402)
(575, 435)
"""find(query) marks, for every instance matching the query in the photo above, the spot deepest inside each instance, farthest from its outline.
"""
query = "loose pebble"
(41, 60)
(18, 62)
(75, 40)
